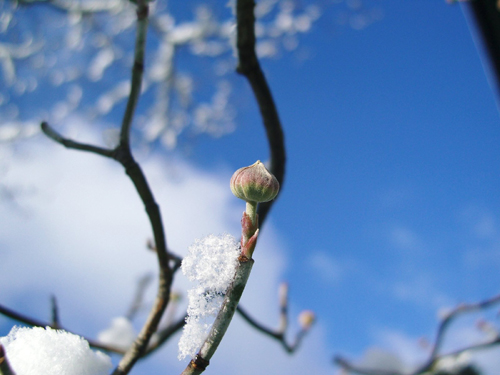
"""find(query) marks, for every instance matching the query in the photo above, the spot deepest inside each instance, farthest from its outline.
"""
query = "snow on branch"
(45, 351)
(211, 265)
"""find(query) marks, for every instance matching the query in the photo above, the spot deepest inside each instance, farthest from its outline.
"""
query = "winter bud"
(254, 184)
(306, 319)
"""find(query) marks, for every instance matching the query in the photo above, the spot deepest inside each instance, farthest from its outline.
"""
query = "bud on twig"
(254, 183)
(306, 319)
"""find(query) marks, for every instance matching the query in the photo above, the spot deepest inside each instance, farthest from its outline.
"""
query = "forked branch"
(123, 155)
(279, 334)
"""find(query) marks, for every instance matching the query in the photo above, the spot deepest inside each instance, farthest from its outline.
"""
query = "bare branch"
(5, 368)
(139, 296)
(446, 322)
(359, 370)
(123, 155)
(278, 334)
(249, 67)
(68, 143)
(435, 356)
(55, 313)
(137, 71)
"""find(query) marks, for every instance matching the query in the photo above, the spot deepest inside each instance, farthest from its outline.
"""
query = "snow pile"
(45, 351)
(121, 334)
(211, 264)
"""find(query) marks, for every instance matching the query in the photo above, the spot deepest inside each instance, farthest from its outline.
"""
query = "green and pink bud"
(254, 184)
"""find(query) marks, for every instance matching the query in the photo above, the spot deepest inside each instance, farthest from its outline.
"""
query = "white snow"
(46, 351)
(211, 264)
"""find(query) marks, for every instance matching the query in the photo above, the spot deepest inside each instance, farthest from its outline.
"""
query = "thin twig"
(68, 143)
(5, 368)
(137, 71)
(446, 322)
(248, 66)
(361, 371)
(452, 315)
(134, 171)
(137, 302)
(55, 313)
(278, 334)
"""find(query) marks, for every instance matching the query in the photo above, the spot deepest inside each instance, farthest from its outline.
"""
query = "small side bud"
(254, 184)
(307, 319)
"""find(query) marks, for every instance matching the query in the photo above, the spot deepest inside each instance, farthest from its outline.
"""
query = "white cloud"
(81, 236)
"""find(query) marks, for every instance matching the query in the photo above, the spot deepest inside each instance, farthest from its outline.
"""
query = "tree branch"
(123, 155)
(278, 334)
(434, 356)
(139, 296)
(345, 364)
(446, 322)
(68, 143)
(249, 67)
(55, 313)
(137, 71)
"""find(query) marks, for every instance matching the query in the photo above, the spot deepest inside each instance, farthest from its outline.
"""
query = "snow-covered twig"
(226, 312)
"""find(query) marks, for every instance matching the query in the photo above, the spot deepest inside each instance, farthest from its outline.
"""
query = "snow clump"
(46, 351)
(211, 265)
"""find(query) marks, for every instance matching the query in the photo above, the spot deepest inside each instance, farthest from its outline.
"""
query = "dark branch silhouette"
(249, 66)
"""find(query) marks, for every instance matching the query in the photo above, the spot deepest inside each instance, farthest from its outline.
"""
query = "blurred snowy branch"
(75, 49)
(437, 361)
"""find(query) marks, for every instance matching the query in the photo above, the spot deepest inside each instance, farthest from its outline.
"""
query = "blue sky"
(392, 135)
(390, 206)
